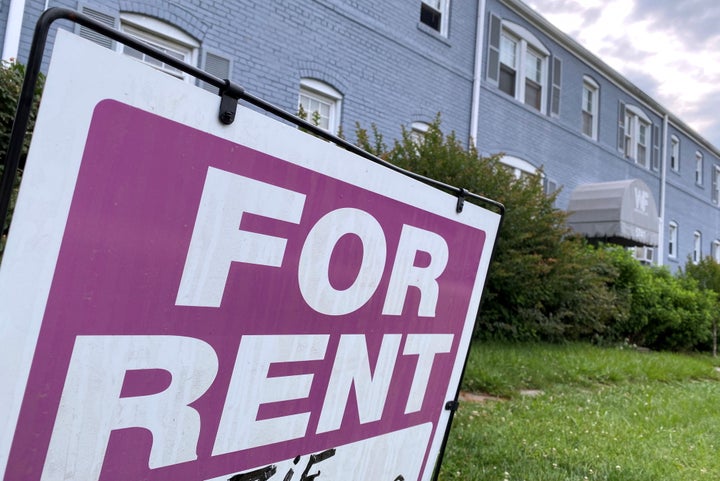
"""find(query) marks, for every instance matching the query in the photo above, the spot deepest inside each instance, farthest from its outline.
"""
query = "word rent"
(99, 363)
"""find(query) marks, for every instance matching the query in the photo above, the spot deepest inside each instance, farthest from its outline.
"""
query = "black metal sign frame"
(230, 94)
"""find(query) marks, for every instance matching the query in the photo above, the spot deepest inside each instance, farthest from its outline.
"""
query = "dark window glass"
(430, 17)
(532, 94)
(507, 80)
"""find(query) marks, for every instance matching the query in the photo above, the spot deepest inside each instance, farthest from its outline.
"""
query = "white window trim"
(697, 247)
(444, 16)
(634, 117)
(716, 250)
(418, 131)
(672, 240)
(715, 185)
(157, 31)
(699, 167)
(526, 40)
(518, 166)
(674, 153)
(324, 93)
(592, 86)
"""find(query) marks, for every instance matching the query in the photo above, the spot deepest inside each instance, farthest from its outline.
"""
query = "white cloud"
(663, 59)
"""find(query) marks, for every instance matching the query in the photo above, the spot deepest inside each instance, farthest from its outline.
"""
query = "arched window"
(519, 167)
(697, 247)
(164, 37)
(523, 66)
(418, 131)
(674, 153)
(320, 103)
(635, 128)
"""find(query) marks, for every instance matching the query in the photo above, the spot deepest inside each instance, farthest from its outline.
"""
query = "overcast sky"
(670, 49)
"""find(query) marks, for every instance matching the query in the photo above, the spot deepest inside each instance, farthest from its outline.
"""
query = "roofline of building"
(611, 74)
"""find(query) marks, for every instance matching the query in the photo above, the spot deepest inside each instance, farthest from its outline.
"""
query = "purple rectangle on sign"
(215, 309)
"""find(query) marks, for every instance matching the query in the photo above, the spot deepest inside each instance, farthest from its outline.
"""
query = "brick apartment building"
(500, 75)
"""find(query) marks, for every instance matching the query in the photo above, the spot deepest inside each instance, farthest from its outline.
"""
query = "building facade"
(499, 75)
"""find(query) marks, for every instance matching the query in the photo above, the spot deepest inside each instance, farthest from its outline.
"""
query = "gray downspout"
(477, 74)
(13, 27)
(663, 182)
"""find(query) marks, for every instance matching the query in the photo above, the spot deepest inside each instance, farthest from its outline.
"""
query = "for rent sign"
(186, 300)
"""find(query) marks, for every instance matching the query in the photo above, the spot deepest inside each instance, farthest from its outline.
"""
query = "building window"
(716, 250)
(162, 36)
(523, 66)
(716, 185)
(635, 134)
(320, 104)
(698, 168)
(590, 108)
(672, 240)
(418, 131)
(675, 153)
(520, 168)
(434, 14)
(697, 247)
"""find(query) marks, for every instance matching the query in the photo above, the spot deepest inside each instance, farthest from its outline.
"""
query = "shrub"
(11, 80)
(707, 275)
(544, 283)
(666, 312)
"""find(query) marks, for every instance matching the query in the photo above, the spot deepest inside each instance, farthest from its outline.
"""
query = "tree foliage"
(12, 75)
(544, 282)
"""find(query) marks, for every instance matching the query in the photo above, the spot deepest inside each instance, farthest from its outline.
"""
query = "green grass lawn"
(604, 414)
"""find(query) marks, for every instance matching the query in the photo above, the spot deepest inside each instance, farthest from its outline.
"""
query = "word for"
(217, 242)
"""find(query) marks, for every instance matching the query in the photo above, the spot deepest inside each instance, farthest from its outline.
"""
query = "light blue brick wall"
(389, 69)
(571, 159)
(392, 71)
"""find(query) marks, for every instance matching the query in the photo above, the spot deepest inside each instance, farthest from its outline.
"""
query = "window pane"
(642, 155)
(508, 51)
(507, 80)
(643, 134)
(588, 96)
(533, 69)
(430, 16)
(587, 124)
(533, 94)
(316, 110)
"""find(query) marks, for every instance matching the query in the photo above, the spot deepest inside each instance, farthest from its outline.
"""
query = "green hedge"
(545, 283)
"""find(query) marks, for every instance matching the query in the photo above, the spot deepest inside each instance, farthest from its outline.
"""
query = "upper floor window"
(715, 194)
(320, 103)
(674, 153)
(523, 66)
(519, 168)
(716, 250)
(697, 247)
(590, 108)
(634, 134)
(672, 240)
(168, 39)
(434, 14)
(698, 168)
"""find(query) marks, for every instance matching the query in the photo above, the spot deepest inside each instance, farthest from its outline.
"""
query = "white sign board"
(183, 299)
